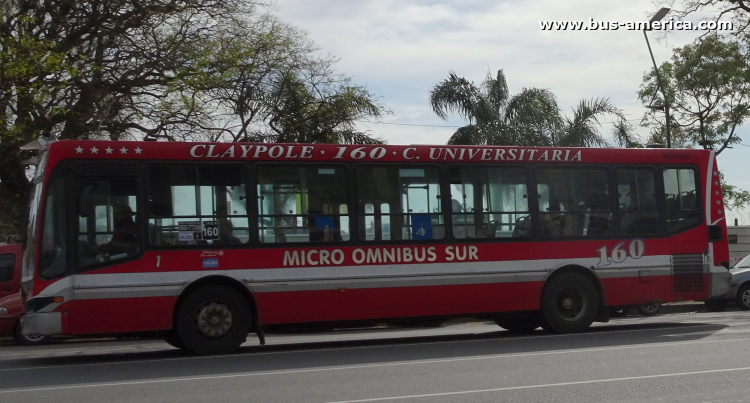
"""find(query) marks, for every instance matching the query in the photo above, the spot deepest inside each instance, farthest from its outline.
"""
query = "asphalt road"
(686, 357)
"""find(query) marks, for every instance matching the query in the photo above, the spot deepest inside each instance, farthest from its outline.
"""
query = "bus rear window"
(681, 199)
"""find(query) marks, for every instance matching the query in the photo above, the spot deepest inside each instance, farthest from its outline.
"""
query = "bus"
(207, 243)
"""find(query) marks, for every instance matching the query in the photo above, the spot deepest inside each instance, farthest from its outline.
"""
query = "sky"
(400, 49)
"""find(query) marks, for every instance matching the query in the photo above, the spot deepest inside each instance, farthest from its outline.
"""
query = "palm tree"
(529, 118)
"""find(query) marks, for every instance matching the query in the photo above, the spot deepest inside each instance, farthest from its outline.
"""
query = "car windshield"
(743, 264)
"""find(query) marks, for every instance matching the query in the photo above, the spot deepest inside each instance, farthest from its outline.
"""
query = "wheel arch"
(577, 269)
(230, 282)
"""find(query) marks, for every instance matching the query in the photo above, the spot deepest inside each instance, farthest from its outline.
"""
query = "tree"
(735, 11)
(169, 69)
(708, 85)
(529, 118)
(734, 198)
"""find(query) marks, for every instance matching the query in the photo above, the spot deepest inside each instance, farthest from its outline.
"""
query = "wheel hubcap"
(214, 320)
(746, 298)
(570, 304)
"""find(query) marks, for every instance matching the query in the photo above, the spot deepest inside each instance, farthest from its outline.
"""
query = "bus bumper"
(41, 323)
(721, 281)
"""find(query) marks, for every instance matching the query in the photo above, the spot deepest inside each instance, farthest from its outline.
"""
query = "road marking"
(547, 385)
(364, 366)
(723, 331)
(238, 355)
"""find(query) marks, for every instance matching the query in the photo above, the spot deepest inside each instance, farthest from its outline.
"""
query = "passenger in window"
(597, 222)
(225, 232)
(571, 223)
(550, 224)
(124, 239)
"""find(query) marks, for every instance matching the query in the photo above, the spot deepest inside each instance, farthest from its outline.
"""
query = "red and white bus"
(207, 242)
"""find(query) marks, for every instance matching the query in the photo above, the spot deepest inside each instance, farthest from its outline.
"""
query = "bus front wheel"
(214, 319)
(569, 303)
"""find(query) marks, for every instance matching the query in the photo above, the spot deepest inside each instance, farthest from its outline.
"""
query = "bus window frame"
(146, 186)
(349, 187)
(527, 169)
(443, 185)
(699, 200)
(611, 181)
(73, 194)
(659, 190)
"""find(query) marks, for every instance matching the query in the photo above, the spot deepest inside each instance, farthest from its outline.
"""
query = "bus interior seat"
(522, 227)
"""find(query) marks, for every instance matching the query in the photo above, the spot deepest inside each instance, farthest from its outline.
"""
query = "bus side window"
(399, 203)
(636, 192)
(489, 202)
(574, 202)
(302, 203)
(107, 221)
(197, 205)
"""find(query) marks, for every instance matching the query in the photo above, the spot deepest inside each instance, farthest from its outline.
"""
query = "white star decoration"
(322, 151)
(108, 150)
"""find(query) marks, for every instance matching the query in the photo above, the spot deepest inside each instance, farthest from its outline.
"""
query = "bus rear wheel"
(569, 303)
(214, 319)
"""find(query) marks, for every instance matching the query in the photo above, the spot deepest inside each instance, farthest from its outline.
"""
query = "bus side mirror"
(84, 206)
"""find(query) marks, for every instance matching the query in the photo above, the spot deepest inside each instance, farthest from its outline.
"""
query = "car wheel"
(649, 309)
(518, 326)
(214, 319)
(715, 305)
(29, 340)
(570, 303)
(743, 297)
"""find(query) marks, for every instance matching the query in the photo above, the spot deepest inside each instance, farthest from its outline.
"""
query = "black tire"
(715, 305)
(29, 340)
(214, 319)
(518, 326)
(173, 340)
(570, 303)
(743, 297)
(649, 309)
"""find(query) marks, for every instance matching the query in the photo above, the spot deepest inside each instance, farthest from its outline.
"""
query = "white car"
(740, 291)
